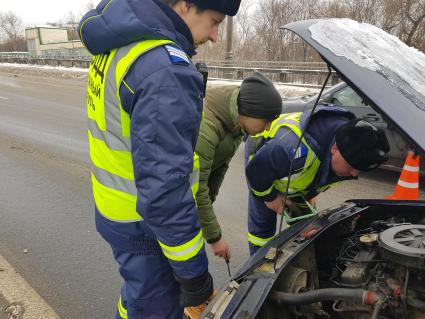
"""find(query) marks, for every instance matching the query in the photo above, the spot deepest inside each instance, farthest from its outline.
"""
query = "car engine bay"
(371, 265)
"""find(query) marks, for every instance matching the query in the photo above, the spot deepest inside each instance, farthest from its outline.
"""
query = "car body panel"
(257, 282)
(246, 294)
(386, 96)
(257, 276)
(344, 96)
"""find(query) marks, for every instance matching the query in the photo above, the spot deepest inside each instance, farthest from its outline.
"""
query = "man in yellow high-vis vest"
(144, 106)
(335, 147)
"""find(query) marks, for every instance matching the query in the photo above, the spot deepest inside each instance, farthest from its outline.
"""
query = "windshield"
(376, 50)
(324, 99)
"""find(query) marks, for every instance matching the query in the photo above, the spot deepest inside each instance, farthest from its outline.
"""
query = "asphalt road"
(47, 230)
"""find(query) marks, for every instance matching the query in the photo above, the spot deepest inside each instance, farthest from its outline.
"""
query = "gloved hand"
(195, 291)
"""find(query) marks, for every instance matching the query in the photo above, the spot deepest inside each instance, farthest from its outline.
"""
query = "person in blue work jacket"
(144, 106)
(335, 147)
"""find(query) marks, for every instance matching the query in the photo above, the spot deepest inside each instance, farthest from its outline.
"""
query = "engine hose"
(416, 303)
(327, 294)
(377, 309)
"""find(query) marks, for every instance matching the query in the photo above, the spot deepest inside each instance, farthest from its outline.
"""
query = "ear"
(181, 7)
(334, 149)
(185, 5)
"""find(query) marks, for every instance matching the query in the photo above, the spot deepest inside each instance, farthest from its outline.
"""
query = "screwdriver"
(228, 268)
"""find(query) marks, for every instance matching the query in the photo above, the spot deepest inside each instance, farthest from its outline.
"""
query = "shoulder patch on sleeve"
(177, 55)
(300, 152)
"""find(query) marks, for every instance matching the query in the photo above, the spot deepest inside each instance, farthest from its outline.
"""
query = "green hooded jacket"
(219, 138)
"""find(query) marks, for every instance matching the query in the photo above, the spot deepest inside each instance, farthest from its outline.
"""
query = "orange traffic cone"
(408, 184)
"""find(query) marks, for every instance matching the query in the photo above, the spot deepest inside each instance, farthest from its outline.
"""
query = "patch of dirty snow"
(44, 70)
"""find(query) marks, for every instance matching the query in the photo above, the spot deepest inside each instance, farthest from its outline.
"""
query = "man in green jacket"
(230, 112)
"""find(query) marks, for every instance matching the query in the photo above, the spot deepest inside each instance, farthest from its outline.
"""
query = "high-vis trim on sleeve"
(185, 251)
(264, 193)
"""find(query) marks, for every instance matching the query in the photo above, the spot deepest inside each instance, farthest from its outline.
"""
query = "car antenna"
(294, 153)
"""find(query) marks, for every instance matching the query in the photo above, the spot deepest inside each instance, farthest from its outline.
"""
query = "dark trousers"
(262, 220)
(261, 223)
(149, 290)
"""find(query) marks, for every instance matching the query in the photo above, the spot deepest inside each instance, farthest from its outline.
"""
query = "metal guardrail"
(14, 53)
(49, 56)
(300, 75)
(67, 61)
(268, 64)
(290, 76)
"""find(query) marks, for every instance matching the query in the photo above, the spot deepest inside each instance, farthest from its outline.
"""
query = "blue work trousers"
(262, 220)
(149, 290)
(261, 223)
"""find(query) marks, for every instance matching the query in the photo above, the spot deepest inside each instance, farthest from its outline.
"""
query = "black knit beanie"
(258, 98)
(228, 7)
(362, 145)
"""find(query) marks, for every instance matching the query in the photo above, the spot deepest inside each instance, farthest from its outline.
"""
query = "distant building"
(54, 41)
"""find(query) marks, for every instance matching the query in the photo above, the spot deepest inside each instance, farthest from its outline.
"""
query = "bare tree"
(392, 16)
(270, 16)
(89, 6)
(71, 21)
(333, 9)
(72, 18)
(12, 32)
(244, 33)
(414, 12)
(11, 25)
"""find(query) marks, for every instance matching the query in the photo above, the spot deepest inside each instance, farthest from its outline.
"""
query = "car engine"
(361, 269)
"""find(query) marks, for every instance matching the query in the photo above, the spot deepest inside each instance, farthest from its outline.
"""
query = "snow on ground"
(81, 73)
(44, 70)
(284, 90)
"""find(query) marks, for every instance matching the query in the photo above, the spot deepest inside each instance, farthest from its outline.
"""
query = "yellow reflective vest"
(112, 174)
(302, 178)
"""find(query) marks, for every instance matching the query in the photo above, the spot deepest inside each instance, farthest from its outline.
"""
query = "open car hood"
(391, 76)
(378, 66)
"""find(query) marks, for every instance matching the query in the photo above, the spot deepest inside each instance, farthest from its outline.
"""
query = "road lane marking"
(3, 98)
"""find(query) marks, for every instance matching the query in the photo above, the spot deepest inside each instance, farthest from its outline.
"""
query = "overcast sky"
(34, 12)
(39, 12)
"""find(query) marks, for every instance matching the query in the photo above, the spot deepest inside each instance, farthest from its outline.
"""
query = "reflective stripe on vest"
(300, 180)
(114, 189)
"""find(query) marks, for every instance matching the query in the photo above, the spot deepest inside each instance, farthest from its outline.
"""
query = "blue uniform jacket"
(272, 159)
(163, 94)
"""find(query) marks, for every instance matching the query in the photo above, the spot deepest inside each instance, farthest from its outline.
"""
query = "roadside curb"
(18, 300)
